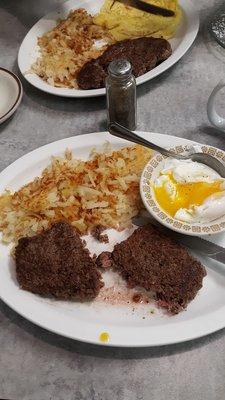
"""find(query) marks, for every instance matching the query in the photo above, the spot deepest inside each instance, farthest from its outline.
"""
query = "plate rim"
(191, 15)
(117, 340)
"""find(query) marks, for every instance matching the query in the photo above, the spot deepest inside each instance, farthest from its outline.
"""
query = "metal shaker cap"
(119, 67)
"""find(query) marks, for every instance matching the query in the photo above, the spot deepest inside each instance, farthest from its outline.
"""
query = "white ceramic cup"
(214, 117)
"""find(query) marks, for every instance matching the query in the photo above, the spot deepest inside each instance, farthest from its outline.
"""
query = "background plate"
(29, 50)
(85, 322)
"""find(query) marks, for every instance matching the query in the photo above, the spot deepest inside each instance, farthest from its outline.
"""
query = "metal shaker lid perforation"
(119, 67)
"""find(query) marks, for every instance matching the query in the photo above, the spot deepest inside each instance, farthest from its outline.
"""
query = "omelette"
(126, 22)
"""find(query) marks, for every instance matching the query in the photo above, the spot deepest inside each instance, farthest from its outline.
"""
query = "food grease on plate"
(116, 292)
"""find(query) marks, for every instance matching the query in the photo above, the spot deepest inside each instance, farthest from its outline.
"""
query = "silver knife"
(204, 247)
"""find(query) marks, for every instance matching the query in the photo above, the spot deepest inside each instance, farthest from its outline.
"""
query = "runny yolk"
(184, 195)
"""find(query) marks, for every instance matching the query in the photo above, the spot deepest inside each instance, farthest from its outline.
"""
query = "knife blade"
(143, 6)
(202, 246)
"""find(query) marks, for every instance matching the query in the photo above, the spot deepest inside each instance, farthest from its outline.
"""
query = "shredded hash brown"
(67, 47)
(101, 191)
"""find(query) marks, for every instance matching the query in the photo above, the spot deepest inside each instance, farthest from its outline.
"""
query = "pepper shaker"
(121, 94)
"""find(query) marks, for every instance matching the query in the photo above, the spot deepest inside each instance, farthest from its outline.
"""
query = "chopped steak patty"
(97, 233)
(143, 53)
(152, 260)
(104, 260)
(55, 263)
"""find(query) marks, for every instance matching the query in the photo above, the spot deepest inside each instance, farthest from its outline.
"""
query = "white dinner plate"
(28, 52)
(127, 324)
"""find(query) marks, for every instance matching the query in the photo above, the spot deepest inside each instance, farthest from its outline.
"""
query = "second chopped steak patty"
(143, 53)
(55, 263)
(152, 260)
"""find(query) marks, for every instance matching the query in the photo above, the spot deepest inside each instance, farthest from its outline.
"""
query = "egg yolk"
(183, 195)
(104, 337)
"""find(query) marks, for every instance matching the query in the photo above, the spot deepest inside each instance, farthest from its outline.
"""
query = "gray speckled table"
(37, 365)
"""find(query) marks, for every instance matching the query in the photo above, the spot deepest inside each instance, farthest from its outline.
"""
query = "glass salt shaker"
(121, 94)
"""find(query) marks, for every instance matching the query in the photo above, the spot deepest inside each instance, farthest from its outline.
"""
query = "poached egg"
(190, 191)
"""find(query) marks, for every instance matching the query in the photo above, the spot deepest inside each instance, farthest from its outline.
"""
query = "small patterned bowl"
(151, 172)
